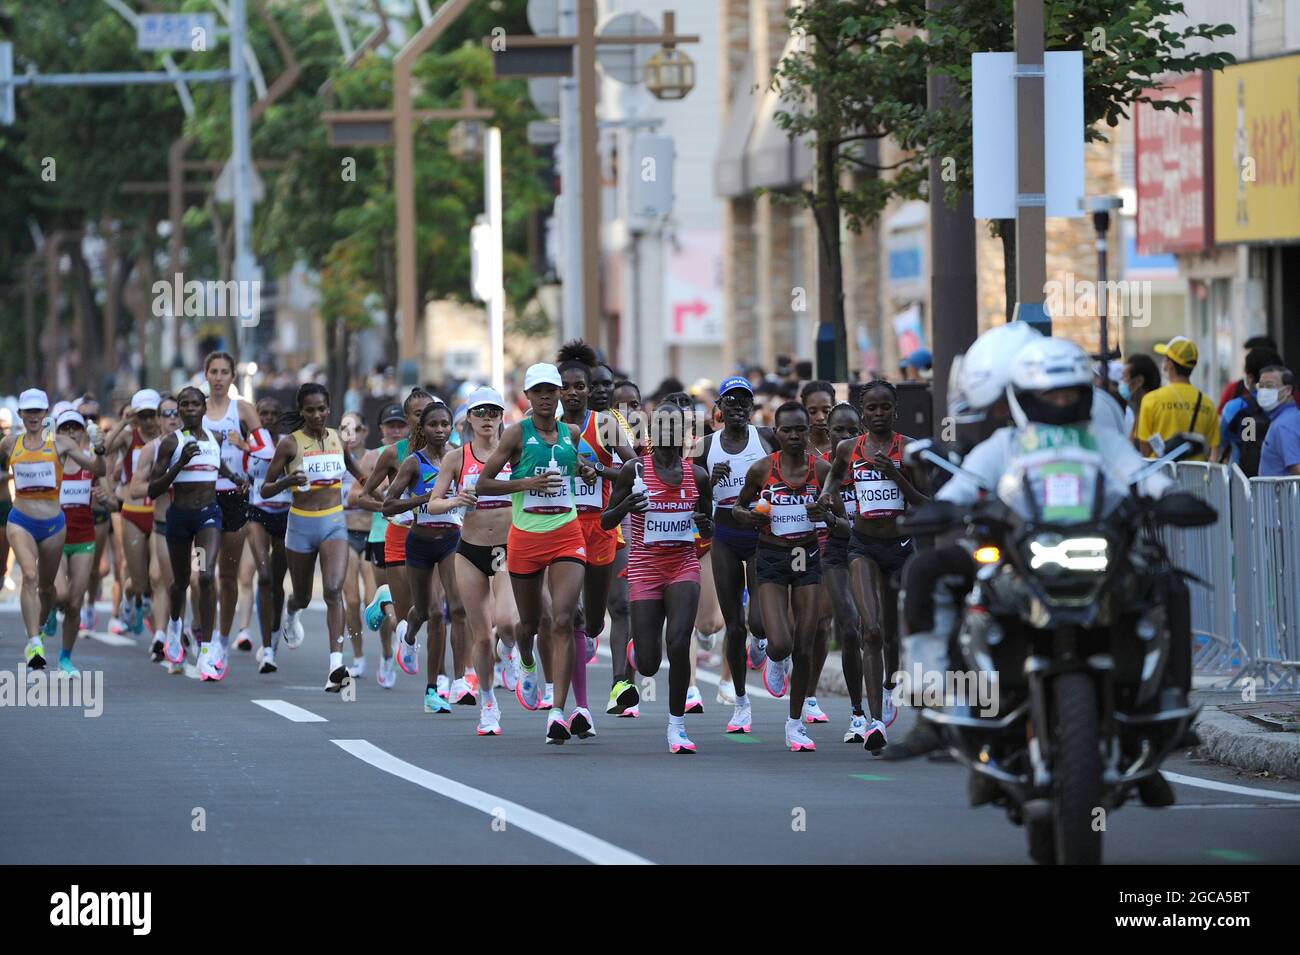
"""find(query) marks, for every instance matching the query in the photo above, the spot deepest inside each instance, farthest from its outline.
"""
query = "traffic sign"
(626, 62)
(223, 190)
(175, 31)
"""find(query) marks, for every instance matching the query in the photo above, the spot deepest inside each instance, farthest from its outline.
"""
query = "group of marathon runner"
(516, 538)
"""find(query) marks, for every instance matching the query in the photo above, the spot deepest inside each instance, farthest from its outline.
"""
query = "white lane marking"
(1229, 787)
(582, 844)
(752, 685)
(1236, 805)
(112, 639)
(290, 712)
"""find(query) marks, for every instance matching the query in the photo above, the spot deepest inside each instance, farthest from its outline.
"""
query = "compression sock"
(578, 676)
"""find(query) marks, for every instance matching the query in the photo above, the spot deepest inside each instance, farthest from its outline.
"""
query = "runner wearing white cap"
(160, 564)
(76, 491)
(138, 427)
(36, 460)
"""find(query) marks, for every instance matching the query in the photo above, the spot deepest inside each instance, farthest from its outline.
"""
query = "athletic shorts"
(602, 544)
(529, 552)
(305, 532)
(741, 541)
(234, 510)
(275, 522)
(395, 545)
(781, 565)
(101, 517)
(482, 556)
(836, 552)
(39, 527)
(423, 553)
(889, 553)
(184, 523)
(651, 571)
(84, 547)
(375, 553)
(141, 519)
(357, 541)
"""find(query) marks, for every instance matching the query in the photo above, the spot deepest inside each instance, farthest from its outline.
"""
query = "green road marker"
(1231, 855)
(870, 777)
(743, 738)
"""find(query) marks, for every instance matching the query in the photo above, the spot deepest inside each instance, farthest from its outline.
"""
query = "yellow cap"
(1180, 350)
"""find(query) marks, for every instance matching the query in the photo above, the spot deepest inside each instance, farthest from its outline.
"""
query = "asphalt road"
(178, 771)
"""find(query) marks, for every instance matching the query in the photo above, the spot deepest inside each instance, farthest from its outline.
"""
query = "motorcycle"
(1068, 620)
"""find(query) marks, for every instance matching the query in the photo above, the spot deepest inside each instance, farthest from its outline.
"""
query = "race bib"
(664, 527)
(588, 497)
(791, 520)
(323, 468)
(549, 502)
(1063, 498)
(75, 493)
(878, 495)
(34, 475)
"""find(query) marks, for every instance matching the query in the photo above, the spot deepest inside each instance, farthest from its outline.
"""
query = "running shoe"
(116, 627)
(87, 618)
(67, 667)
(694, 702)
(548, 697)
(337, 679)
(528, 689)
(776, 676)
(708, 641)
(243, 642)
(726, 693)
(433, 703)
(137, 618)
(219, 661)
(631, 655)
(146, 604)
(408, 657)
(207, 667)
(156, 648)
(268, 661)
(742, 717)
(51, 626)
(173, 648)
(557, 728)
(275, 638)
(503, 675)
(857, 729)
(374, 612)
(444, 687)
(462, 694)
(757, 650)
(581, 724)
(294, 634)
(489, 721)
(592, 644)
(678, 741)
(812, 713)
(875, 739)
(622, 695)
(387, 673)
(358, 669)
(630, 713)
(797, 738)
(471, 679)
(888, 708)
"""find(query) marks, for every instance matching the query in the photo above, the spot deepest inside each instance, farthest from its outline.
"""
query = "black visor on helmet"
(1077, 410)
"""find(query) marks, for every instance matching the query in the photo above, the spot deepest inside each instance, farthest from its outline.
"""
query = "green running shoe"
(35, 654)
(621, 696)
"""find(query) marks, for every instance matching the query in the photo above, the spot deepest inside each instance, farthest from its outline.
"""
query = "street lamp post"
(1100, 207)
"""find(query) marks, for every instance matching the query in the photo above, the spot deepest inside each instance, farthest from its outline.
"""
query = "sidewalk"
(1225, 737)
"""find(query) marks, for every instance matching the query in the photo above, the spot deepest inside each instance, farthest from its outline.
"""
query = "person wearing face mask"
(1243, 423)
(1139, 376)
(1280, 456)
(1178, 406)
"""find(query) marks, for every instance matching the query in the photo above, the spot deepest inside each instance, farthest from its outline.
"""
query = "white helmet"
(1049, 364)
(981, 378)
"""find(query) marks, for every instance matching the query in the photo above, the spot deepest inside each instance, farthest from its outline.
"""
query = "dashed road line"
(290, 712)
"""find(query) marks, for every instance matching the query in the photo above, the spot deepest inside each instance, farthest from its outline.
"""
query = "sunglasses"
(736, 401)
(173, 413)
(485, 411)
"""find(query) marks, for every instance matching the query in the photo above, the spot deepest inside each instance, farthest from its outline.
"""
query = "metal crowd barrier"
(1246, 620)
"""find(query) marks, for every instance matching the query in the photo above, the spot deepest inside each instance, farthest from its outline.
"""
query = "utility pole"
(245, 265)
(1031, 180)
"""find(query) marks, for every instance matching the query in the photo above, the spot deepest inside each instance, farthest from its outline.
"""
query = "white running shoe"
(207, 666)
(630, 712)
(888, 708)
(268, 661)
(87, 618)
(742, 717)
(358, 668)
(797, 738)
(218, 654)
(489, 720)
(757, 651)
(337, 680)
(581, 724)
(678, 742)
(408, 654)
(504, 676)
(812, 713)
(513, 666)
(528, 689)
(387, 673)
(294, 634)
(875, 739)
(776, 675)
(557, 728)
(857, 729)
(244, 641)
(694, 702)
(548, 697)
(462, 694)
(173, 648)
(726, 692)
(443, 687)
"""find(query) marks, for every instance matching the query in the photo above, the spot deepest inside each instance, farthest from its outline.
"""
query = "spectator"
(1243, 423)
(756, 375)
(918, 366)
(1238, 388)
(1280, 456)
(1178, 406)
(1138, 376)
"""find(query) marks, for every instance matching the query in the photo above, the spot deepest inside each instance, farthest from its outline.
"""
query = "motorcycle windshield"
(1058, 476)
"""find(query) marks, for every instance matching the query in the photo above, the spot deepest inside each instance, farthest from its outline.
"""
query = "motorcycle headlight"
(1086, 554)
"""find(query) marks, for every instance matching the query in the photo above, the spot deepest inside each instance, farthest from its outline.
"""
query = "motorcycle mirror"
(1184, 509)
(1195, 443)
(912, 450)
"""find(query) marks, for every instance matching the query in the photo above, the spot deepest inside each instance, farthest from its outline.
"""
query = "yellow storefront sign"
(1257, 151)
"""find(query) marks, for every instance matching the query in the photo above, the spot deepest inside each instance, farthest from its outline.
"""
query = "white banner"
(693, 298)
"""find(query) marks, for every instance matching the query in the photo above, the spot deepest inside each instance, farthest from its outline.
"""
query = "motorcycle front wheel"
(1077, 822)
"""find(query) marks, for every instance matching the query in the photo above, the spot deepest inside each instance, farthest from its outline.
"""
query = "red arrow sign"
(697, 307)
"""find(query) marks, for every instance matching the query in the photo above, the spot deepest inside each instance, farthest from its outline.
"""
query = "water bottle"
(553, 468)
(764, 503)
(639, 486)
